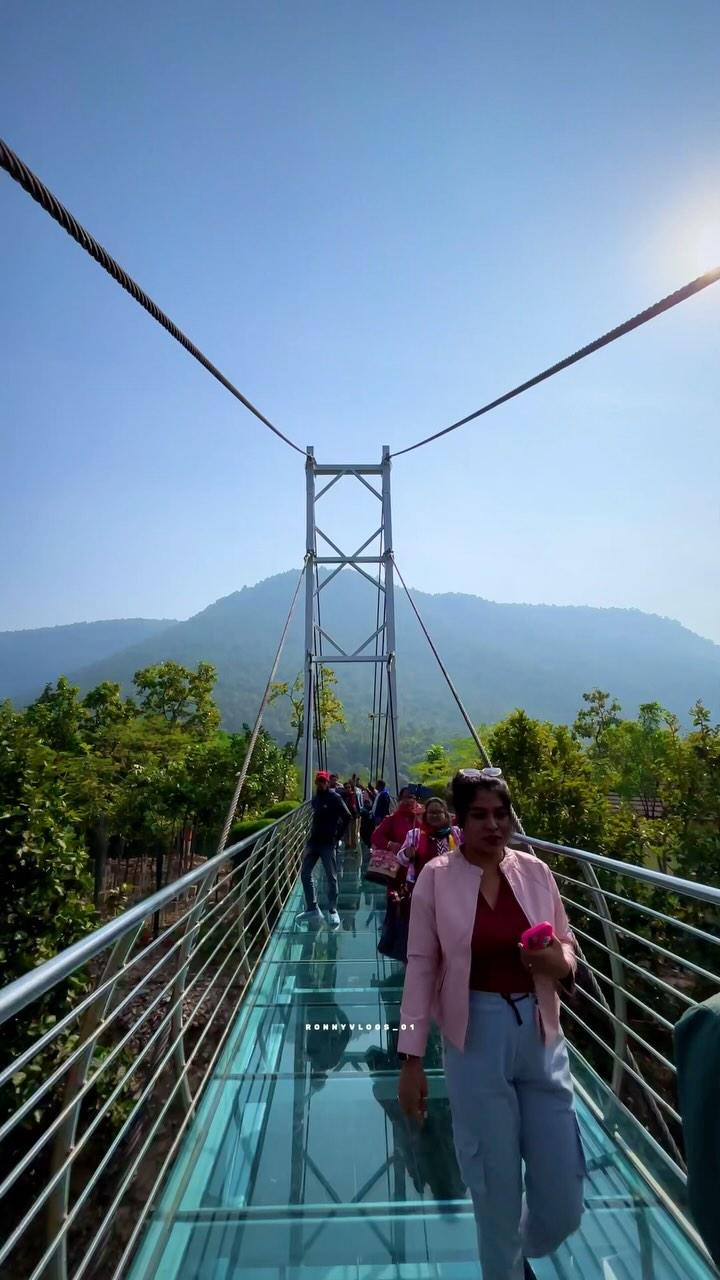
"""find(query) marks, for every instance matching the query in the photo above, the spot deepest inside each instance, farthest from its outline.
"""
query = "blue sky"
(374, 217)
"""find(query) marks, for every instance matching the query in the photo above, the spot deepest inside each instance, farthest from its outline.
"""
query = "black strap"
(513, 1002)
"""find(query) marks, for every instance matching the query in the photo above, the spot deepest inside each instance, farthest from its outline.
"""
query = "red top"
(394, 828)
(496, 963)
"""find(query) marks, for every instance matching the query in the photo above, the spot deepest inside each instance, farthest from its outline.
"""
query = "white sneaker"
(333, 919)
(310, 917)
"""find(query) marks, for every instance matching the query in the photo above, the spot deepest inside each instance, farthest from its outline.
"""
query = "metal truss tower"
(383, 635)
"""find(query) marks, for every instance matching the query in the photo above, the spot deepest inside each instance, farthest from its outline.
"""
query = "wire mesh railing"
(106, 1048)
(649, 946)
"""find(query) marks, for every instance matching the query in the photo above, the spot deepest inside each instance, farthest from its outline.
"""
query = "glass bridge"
(287, 1157)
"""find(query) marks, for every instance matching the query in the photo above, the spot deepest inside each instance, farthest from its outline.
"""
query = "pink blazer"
(442, 917)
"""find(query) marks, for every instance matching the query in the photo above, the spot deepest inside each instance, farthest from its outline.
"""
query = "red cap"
(321, 775)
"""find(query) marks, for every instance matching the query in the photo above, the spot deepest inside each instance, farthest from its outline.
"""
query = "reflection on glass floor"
(299, 1165)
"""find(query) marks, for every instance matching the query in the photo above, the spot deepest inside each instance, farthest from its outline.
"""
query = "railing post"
(178, 987)
(57, 1207)
(617, 970)
(263, 887)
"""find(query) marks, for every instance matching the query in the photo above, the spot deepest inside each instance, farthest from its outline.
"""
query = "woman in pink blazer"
(497, 1006)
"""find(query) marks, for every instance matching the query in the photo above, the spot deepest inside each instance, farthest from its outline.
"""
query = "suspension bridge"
(246, 1067)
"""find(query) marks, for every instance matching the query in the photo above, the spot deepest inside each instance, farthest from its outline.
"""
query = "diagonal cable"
(460, 705)
(680, 295)
(230, 818)
(14, 166)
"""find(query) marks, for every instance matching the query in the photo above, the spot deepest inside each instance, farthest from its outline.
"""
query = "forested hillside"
(501, 656)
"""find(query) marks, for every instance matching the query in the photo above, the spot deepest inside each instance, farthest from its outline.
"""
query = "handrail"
(222, 945)
(672, 884)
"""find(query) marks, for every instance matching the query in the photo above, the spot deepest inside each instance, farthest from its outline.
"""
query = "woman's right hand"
(413, 1090)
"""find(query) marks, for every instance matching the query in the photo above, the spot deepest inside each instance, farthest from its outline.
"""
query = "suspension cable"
(319, 683)
(258, 722)
(375, 707)
(460, 705)
(381, 714)
(473, 731)
(680, 295)
(381, 764)
(321, 744)
(13, 165)
(391, 712)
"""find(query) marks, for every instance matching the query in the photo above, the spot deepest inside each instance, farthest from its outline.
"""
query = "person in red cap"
(329, 812)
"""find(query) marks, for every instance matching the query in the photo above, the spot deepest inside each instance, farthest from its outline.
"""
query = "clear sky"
(374, 217)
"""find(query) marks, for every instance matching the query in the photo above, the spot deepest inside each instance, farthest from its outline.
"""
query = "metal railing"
(649, 946)
(116, 1038)
(118, 1035)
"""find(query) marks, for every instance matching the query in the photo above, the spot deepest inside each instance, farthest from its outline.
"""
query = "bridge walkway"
(299, 1165)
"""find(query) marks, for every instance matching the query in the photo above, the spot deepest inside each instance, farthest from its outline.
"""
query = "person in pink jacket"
(498, 1008)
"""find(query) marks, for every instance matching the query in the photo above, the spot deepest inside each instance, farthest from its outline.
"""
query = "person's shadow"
(427, 1153)
(324, 1050)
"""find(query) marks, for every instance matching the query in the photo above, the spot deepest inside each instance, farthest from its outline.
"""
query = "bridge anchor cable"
(19, 172)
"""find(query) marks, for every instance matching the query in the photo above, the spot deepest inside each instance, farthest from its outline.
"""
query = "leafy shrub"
(280, 809)
(248, 827)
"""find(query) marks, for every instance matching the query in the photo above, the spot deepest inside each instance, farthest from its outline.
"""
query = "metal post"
(390, 610)
(310, 546)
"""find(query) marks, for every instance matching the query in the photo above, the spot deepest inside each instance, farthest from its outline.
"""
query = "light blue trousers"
(512, 1102)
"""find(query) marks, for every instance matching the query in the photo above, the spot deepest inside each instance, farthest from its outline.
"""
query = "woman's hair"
(435, 800)
(465, 789)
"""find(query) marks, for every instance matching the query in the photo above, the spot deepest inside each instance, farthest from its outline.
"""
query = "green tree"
(331, 710)
(180, 696)
(58, 717)
(691, 798)
(106, 709)
(550, 779)
(596, 717)
(442, 761)
(45, 885)
(434, 770)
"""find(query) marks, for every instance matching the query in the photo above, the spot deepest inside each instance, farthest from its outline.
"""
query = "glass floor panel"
(300, 1166)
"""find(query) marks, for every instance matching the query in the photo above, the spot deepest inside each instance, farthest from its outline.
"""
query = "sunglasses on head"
(478, 775)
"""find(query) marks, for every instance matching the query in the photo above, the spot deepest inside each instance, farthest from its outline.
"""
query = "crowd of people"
(344, 815)
(484, 936)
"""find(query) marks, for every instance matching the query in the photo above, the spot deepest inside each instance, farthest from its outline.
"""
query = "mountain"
(500, 656)
(29, 659)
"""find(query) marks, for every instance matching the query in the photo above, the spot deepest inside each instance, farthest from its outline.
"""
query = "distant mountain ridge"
(500, 656)
(29, 659)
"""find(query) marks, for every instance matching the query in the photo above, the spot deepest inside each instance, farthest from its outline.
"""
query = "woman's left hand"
(548, 961)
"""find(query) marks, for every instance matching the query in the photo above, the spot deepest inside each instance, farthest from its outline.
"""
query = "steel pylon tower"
(383, 585)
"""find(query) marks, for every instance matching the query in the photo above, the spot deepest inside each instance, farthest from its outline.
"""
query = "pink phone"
(538, 937)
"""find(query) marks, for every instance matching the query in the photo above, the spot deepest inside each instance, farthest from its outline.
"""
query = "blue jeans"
(512, 1102)
(328, 853)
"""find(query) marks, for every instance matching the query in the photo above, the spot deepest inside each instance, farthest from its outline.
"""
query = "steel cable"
(650, 313)
(230, 817)
(319, 682)
(13, 165)
(458, 700)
